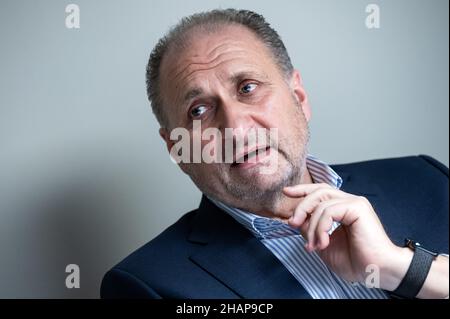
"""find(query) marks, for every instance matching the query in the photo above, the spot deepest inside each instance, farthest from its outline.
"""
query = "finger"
(344, 212)
(314, 221)
(304, 227)
(301, 222)
(324, 225)
(311, 201)
(298, 218)
(301, 190)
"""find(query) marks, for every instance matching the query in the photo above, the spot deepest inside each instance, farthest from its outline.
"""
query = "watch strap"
(416, 275)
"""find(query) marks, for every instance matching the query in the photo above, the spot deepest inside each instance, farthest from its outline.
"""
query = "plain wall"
(85, 177)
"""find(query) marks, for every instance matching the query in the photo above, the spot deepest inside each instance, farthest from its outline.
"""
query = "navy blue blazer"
(207, 254)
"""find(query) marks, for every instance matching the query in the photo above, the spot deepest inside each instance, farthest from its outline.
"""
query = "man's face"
(229, 79)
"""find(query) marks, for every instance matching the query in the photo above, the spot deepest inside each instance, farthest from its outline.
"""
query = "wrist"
(394, 269)
(397, 263)
(436, 285)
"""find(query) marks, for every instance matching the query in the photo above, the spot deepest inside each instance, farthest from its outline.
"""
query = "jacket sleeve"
(120, 284)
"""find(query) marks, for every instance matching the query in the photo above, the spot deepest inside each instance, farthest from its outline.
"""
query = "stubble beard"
(245, 193)
(258, 194)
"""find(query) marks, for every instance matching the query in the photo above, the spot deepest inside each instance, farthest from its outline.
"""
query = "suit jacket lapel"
(232, 255)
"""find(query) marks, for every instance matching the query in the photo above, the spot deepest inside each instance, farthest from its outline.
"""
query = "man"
(303, 230)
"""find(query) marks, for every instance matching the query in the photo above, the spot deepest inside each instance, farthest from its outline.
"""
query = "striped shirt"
(288, 245)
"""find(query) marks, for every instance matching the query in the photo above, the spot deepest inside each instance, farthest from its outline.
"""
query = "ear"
(169, 144)
(300, 93)
(166, 137)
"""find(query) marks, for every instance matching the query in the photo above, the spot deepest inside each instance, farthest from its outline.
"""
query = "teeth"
(252, 154)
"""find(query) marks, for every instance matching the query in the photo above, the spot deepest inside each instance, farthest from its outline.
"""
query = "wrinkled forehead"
(203, 51)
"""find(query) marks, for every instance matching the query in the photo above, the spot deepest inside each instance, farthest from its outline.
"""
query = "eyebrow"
(192, 94)
(233, 78)
(239, 76)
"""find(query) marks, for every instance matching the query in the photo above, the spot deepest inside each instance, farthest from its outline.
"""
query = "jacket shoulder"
(438, 165)
(421, 167)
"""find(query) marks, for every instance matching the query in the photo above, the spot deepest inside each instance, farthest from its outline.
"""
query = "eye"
(198, 110)
(247, 88)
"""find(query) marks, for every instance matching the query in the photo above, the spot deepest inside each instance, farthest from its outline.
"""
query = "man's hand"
(359, 241)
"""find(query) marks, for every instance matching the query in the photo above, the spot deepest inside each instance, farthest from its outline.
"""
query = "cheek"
(280, 114)
(291, 124)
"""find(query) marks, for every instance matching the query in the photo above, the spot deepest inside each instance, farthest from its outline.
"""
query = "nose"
(235, 115)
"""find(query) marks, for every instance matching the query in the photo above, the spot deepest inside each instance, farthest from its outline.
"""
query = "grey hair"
(212, 20)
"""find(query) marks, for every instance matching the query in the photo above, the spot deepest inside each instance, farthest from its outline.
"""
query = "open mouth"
(251, 158)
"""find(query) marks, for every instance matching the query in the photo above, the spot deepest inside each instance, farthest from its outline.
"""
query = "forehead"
(202, 44)
(227, 49)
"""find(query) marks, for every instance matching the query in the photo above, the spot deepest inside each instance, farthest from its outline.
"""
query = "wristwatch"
(417, 272)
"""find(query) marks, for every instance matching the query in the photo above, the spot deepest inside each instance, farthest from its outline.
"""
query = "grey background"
(84, 176)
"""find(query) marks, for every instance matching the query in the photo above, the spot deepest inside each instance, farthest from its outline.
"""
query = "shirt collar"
(268, 228)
